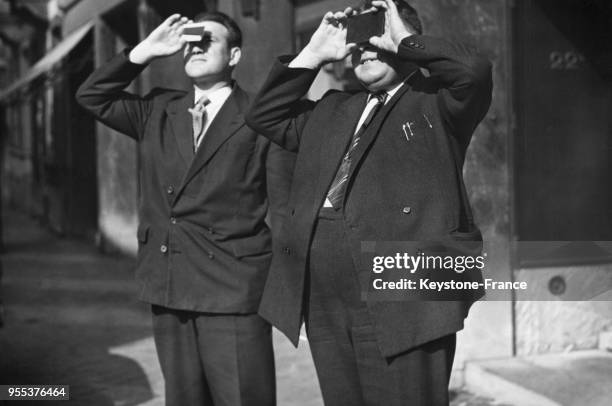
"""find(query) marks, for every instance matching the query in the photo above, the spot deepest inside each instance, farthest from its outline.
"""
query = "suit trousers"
(350, 367)
(214, 359)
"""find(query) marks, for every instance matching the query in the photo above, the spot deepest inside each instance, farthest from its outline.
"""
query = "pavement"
(71, 318)
(581, 378)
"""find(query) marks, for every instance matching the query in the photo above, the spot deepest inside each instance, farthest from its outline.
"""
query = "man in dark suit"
(204, 248)
(383, 164)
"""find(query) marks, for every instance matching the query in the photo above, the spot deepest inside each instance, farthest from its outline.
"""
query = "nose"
(200, 45)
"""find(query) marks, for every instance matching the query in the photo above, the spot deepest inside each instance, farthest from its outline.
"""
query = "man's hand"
(327, 44)
(164, 40)
(395, 30)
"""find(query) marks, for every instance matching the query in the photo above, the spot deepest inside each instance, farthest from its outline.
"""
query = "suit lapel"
(335, 144)
(227, 121)
(182, 125)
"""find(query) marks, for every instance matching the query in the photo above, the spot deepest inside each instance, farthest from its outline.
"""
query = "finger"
(328, 17)
(379, 4)
(339, 18)
(348, 11)
(350, 47)
(176, 24)
(171, 20)
(180, 24)
(180, 30)
(390, 5)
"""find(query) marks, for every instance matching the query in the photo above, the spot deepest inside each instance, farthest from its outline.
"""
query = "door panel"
(564, 116)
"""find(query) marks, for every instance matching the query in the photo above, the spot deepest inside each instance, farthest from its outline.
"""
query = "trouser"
(341, 333)
(214, 359)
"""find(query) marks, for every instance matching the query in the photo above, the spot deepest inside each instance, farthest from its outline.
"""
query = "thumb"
(377, 42)
(327, 18)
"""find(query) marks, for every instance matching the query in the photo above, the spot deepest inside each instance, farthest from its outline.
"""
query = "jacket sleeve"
(279, 111)
(102, 95)
(464, 76)
(279, 173)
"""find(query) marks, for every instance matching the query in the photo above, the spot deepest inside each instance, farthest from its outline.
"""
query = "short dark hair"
(409, 15)
(234, 38)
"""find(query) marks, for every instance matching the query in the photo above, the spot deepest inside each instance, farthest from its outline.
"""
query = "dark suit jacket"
(403, 186)
(203, 243)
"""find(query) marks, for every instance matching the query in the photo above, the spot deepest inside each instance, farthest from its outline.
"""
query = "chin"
(375, 76)
(195, 71)
(371, 82)
(375, 82)
(367, 76)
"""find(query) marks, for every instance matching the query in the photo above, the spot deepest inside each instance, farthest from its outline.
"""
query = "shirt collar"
(390, 92)
(216, 96)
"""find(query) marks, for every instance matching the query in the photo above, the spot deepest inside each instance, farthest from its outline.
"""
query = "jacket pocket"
(466, 243)
(473, 234)
(142, 233)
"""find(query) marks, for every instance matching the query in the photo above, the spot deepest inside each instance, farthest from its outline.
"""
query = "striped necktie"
(338, 187)
(198, 115)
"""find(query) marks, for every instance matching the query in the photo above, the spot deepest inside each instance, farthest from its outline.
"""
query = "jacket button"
(211, 255)
(210, 230)
(287, 250)
(170, 190)
(406, 210)
(173, 220)
(293, 212)
(163, 248)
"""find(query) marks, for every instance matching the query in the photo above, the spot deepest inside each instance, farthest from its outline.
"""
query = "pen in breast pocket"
(405, 133)
(408, 126)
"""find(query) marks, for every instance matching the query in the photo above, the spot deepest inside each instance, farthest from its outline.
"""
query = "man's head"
(214, 58)
(380, 70)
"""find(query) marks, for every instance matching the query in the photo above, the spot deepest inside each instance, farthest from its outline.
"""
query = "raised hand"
(328, 43)
(395, 30)
(164, 40)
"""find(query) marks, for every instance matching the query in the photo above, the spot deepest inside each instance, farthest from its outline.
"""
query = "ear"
(235, 54)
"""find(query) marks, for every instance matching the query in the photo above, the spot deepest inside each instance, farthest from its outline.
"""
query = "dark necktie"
(198, 115)
(338, 187)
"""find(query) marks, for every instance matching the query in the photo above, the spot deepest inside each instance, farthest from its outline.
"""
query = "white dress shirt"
(216, 99)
